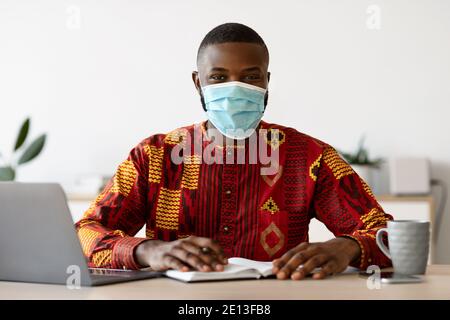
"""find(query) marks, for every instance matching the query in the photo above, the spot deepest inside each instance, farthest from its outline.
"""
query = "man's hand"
(332, 256)
(201, 254)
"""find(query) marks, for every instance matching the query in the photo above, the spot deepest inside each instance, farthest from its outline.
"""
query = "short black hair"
(231, 32)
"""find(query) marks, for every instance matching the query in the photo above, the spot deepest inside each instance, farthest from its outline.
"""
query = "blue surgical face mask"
(234, 108)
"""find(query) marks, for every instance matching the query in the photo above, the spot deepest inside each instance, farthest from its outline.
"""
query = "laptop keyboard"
(112, 272)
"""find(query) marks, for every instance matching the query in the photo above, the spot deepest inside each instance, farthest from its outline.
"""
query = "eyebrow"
(219, 69)
(252, 69)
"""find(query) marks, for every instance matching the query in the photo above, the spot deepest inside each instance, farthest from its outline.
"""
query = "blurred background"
(99, 76)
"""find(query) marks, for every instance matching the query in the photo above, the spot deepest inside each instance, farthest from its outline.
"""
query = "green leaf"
(33, 150)
(347, 157)
(7, 174)
(361, 155)
(23, 133)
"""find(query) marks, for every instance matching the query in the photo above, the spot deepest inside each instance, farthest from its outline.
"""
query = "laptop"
(38, 240)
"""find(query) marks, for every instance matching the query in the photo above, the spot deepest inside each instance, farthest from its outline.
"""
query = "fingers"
(171, 262)
(328, 268)
(314, 262)
(293, 259)
(214, 256)
(191, 252)
(212, 245)
(278, 264)
(300, 261)
(189, 258)
(210, 261)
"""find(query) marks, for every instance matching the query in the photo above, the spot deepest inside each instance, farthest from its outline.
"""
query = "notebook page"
(231, 271)
(263, 267)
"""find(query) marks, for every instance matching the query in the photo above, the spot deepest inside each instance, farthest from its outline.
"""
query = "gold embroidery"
(339, 167)
(363, 253)
(93, 205)
(84, 223)
(119, 233)
(102, 258)
(175, 137)
(124, 178)
(367, 233)
(191, 170)
(374, 218)
(155, 156)
(270, 206)
(87, 238)
(272, 250)
(150, 233)
(315, 164)
(367, 188)
(275, 137)
(167, 209)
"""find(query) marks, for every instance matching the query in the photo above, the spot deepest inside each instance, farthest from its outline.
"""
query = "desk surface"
(343, 286)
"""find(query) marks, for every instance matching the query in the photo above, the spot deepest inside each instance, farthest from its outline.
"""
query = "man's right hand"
(192, 253)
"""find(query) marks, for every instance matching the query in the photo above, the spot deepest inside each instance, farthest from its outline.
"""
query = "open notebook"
(237, 268)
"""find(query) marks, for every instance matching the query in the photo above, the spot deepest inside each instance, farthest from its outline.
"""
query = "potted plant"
(22, 152)
(362, 163)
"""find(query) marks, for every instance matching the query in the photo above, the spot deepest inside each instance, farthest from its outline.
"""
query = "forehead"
(233, 55)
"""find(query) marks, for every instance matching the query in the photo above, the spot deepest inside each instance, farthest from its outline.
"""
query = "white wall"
(126, 74)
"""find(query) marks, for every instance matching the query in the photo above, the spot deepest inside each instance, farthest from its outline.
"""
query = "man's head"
(232, 52)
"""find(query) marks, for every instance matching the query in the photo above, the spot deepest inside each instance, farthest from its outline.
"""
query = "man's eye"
(252, 77)
(217, 77)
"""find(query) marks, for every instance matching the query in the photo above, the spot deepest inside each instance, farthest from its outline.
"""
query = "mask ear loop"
(202, 100)
(266, 99)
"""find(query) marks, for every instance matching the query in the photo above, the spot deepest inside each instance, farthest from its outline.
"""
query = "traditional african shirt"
(250, 214)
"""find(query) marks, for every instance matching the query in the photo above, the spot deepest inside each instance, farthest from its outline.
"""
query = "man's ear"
(196, 80)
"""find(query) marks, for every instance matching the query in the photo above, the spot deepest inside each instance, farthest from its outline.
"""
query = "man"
(202, 209)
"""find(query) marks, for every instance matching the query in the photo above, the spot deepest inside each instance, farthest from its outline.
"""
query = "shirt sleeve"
(107, 228)
(348, 208)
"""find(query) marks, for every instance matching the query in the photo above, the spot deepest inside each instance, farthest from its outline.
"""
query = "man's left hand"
(332, 256)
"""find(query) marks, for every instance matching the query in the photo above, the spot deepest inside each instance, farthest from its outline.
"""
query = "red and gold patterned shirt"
(252, 215)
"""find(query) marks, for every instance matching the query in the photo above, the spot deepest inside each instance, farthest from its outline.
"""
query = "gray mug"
(408, 245)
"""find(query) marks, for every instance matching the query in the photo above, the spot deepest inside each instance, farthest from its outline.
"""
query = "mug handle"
(380, 243)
